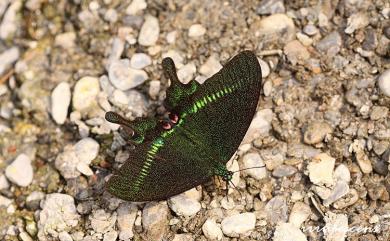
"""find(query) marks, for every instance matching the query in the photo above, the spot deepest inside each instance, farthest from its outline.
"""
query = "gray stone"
(60, 101)
(111, 15)
(20, 171)
(251, 160)
(140, 61)
(330, 44)
(149, 32)
(356, 21)
(154, 88)
(65, 236)
(384, 82)
(316, 132)
(86, 150)
(123, 77)
(211, 230)
(58, 214)
(340, 190)
(182, 237)
(342, 173)
(238, 224)
(284, 171)
(276, 210)
(310, 30)
(155, 220)
(8, 57)
(299, 214)
(288, 232)
(266, 7)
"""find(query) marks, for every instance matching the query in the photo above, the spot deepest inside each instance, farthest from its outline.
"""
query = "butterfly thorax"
(221, 171)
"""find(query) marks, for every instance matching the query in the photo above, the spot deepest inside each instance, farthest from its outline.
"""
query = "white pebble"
(260, 125)
(60, 101)
(140, 61)
(123, 77)
(251, 160)
(171, 37)
(136, 6)
(186, 73)
(127, 213)
(119, 98)
(85, 93)
(65, 40)
(265, 70)
(9, 23)
(4, 184)
(8, 57)
(149, 32)
(276, 26)
(321, 169)
(299, 213)
(110, 236)
(111, 15)
(196, 30)
(184, 205)
(238, 224)
(288, 232)
(384, 82)
(86, 150)
(154, 88)
(20, 171)
(211, 230)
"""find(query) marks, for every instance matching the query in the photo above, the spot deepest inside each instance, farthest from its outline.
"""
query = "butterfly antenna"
(235, 187)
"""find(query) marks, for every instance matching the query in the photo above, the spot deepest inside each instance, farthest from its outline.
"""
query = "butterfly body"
(206, 125)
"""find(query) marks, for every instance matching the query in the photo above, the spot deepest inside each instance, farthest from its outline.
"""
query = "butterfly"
(201, 131)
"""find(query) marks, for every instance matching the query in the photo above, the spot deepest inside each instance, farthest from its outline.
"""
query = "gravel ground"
(322, 128)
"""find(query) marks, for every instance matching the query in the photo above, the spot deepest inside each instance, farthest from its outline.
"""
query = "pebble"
(4, 184)
(300, 212)
(182, 237)
(8, 57)
(276, 209)
(137, 103)
(186, 73)
(378, 112)
(336, 226)
(211, 230)
(330, 44)
(310, 30)
(267, 7)
(356, 21)
(253, 159)
(351, 198)
(196, 30)
(110, 236)
(288, 232)
(111, 15)
(65, 236)
(102, 221)
(123, 77)
(10, 20)
(357, 147)
(140, 61)
(296, 52)
(265, 70)
(58, 214)
(184, 205)
(127, 213)
(171, 37)
(60, 101)
(384, 82)
(260, 125)
(85, 93)
(65, 40)
(340, 190)
(116, 50)
(321, 169)
(304, 39)
(284, 171)
(342, 173)
(154, 88)
(33, 199)
(20, 171)
(155, 220)
(316, 132)
(136, 6)
(235, 225)
(86, 151)
(149, 32)
(277, 26)
(211, 66)
(5, 202)
(175, 56)
(119, 98)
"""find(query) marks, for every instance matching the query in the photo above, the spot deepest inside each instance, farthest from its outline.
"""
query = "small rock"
(149, 32)
(296, 52)
(265, 70)
(336, 226)
(304, 39)
(5, 202)
(182, 237)
(65, 40)
(118, 45)
(102, 221)
(4, 184)
(211, 230)
(110, 236)
(330, 44)
(136, 6)
(65, 236)
(155, 220)
(60, 101)
(266, 7)
(58, 214)
(123, 77)
(254, 162)
(154, 88)
(340, 190)
(171, 37)
(342, 173)
(85, 93)
(8, 57)
(310, 30)
(356, 21)
(33, 199)
(284, 171)
(175, 56)
(384, 82)
(299, 214)
(66, 163)
(186, 73)
(211, 66)
(238, 224)
(276, 209)
(321, 169)
(20, 171)
(379, 112)
(260, 125)
(316, 132)
(183, 205)
(196, 30)
(86, 150)
(119, 98)
(127, 213)
(138, 104)
(288, 232)
(111, 15)
(140, 61)
(10, 20)
(362, 159)
(276, 27)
